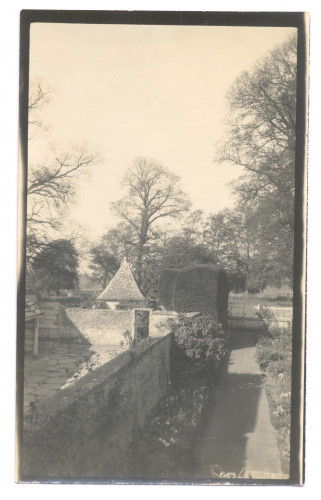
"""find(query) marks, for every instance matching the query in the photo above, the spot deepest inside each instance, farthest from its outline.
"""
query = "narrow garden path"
(238, 434)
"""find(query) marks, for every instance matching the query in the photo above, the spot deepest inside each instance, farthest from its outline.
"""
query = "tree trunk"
(140, 263)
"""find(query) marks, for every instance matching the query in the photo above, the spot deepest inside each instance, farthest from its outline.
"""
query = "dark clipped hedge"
(197, 288)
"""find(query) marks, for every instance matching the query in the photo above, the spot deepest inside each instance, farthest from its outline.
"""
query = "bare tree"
(262, 128)
(51, 185)
(51, 189)
(261, 139)
(39, 97)
(153, 195)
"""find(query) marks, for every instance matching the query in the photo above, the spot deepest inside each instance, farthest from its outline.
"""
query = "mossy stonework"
(85, 430)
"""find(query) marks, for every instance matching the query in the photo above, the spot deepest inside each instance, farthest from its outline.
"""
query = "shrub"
(202, 338)
(274, 354)
(128, 340)
(163, 447)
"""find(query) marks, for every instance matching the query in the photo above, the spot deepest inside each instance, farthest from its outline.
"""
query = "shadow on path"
(230, 418)
(243, 339)
(237, 421)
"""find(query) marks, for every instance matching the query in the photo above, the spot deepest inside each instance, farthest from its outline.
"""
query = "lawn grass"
(247, 305)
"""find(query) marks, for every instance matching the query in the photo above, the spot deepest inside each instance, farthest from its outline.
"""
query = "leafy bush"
(162, 449)
(265, 313)
(128, 340)
(202, 338)
(274, 354)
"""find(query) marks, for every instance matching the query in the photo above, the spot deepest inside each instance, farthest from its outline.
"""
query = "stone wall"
(100, 326)
(55, 324)
(49, 322)
(29, 335)
(93, 326)
(245, 323)
(85, 430)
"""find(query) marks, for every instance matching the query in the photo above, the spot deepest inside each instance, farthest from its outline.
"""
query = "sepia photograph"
(161, 273)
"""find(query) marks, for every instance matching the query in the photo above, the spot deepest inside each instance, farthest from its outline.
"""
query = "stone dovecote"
(123, 290)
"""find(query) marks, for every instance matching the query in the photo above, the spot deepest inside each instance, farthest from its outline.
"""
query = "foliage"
(162, 448)
(228, 235)
(174, 252)
(103, 263)
(120, 241)
(278, 293)
(261, 139)
(165, 250)
(128, 341)
(265, 313)
(202, 338)
(181, 251)
(242, 241)
(274, 354)
(56, 266)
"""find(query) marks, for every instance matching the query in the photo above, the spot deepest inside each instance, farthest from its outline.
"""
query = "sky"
(156, 91)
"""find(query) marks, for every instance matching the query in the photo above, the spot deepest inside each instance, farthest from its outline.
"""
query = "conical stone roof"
(122, 287)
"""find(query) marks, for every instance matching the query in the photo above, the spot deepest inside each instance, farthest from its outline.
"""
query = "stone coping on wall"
(158, 319)
(244, 323)
(52, 405)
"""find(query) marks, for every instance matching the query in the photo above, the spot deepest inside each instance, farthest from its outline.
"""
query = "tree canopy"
(261, 139)
(56, 266)
(103, 264)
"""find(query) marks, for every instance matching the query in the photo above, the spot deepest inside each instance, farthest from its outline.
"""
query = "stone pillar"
(141, 322)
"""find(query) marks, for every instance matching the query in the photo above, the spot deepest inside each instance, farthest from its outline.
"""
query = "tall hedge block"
(201, 288)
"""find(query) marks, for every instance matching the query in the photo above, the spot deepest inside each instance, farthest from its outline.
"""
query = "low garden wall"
(85, 430)
(245, 323)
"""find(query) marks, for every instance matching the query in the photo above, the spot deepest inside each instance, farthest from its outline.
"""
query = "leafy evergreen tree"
(56, 266)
